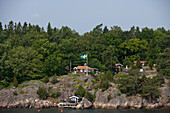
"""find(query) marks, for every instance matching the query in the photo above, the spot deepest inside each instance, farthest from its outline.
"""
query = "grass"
(21, 91)
(76, 85)
(22, 86)
(78, 80)
(86, 84)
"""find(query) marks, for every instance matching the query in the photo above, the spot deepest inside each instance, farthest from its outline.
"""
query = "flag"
(84, 56)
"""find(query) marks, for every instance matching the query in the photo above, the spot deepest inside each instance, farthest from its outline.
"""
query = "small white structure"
(141, 70)
(75, 99)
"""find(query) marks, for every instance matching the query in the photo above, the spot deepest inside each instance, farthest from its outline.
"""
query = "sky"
(84, 15)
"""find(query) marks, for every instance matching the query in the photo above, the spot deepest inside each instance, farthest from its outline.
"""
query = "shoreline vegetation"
(35, 67)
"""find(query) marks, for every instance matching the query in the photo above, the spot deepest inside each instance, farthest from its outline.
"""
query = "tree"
(80, 91)
(89, 96)
(49, 29)
(15, 82)
(25, 63)
(42, 93)
(109, 76)
(105, 30)
(150, 64)
(163, 63)
(1, 28)
(10, 27)
(138, 64)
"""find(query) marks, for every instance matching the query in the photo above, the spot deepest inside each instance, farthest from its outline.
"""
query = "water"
(82, 111)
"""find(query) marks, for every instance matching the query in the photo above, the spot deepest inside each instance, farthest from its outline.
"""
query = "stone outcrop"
(113, 99)
(84, 104)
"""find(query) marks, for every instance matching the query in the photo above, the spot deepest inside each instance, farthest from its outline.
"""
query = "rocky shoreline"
(111, 98)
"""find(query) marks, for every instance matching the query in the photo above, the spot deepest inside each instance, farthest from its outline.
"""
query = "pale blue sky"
(84, 15)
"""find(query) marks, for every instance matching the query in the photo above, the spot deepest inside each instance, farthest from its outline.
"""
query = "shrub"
(42, 93)
(150, 64)
(138, 64)
(45, 79)
(15, 82)
(15, 93)
(54, 80)
(109, 76)
(134, 72)
(80, 91)
(104, 85)
(96, 87)
(89, 96)
(54, 94)
(109, 97)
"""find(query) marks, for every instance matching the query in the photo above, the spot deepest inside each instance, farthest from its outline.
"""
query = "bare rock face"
(113, 99)
(84, 104)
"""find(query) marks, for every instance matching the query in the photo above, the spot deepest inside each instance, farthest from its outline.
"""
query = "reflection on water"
(81, 111)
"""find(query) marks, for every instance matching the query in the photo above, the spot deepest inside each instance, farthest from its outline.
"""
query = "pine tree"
(49, 29)
(138, 64)
(1, 26)
(150, 64)
(15, 82)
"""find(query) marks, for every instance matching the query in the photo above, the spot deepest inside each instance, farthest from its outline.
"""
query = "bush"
(15, 82)
(109, 76)
(4, 83)
(42, 93)
(138, 64)
(89, 96)
(150, 64)
(104, 85)
(54, 80)
(96, 87)
(15, 93)
(109, 97)
(45, 79)
(54, 94)
(134, 72)
(80, 91)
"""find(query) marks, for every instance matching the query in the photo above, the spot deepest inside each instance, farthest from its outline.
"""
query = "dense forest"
(30, 52)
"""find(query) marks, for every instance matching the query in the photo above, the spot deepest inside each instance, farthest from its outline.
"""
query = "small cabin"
(84, 69)
(117, 68)
(75, 99)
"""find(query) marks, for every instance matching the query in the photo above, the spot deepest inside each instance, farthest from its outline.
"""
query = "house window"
(81, 70)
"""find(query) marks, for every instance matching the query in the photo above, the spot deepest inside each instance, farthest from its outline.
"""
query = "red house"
(84, 69)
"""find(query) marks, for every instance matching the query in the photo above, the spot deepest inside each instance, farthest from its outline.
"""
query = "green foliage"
(109, 97)
(15, 93)
(15, 82)
(29, 52)
(89, 96)
(54, 94)
(104, 84)
(138, 64)
(133, 72)
(108, 76)
(163, 63)
(150, 64)
(147, 87)
(80, 91)
(45, 79)
(42, 93)
(54, 80)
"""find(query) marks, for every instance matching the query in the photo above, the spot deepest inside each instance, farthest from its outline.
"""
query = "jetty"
(67, 105)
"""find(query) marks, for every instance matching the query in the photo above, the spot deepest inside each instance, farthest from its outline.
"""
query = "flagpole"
(86, 66)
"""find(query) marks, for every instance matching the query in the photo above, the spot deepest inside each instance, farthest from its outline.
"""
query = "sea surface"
(81, 111)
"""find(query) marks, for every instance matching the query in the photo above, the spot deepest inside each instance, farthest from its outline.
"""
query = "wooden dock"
(67, 105)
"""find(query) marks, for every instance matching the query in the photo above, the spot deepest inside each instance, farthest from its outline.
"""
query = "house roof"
(118, 65)
(84, 67)
(140, 61)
